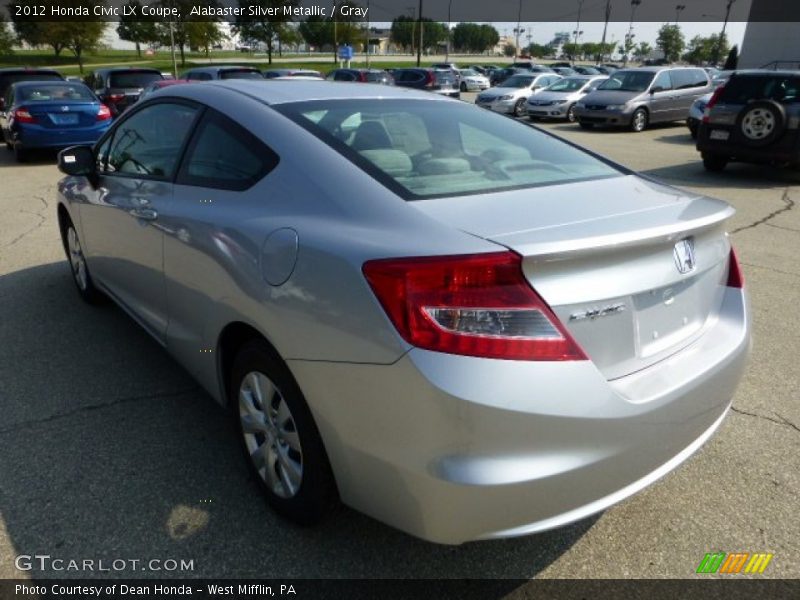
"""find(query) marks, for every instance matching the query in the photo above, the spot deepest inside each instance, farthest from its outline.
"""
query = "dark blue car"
(51, 114)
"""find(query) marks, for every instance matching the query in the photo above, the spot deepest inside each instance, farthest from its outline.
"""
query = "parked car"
(222, 72)
(452, 67)
(120, 87)
(275, 73)
(472, 81)
(511, 95)
(698, 107)
(361, 76)
(557, 101)
(753, 118)
(448, 349)
(499, 76)
(560, 64)
(51, 114)
(483, 69)
(12, 75)
(160, 85)
(531, 67)
(636, 97)
(432, 80)
(584, 70)
(605, 69)
(564, 71)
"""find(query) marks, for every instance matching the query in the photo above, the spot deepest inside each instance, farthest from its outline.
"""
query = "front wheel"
(80, 270)
(519, 108)
(639, 120)
(571, 117)
(280, 440)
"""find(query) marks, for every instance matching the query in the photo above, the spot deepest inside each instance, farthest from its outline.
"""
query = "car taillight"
(735, 275)
(429, 79)
(362, 77)
(116, 97)
(21, 115)
(104, 113)
(711, 102)
(474, 305)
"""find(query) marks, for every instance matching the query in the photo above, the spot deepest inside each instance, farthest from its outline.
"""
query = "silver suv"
(635, 98)
(752, 118)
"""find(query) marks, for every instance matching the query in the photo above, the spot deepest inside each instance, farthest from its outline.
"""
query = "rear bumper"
(39, 137)
(784, 149)
(451, 448)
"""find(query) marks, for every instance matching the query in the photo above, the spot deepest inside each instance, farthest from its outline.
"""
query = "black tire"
(20, 154)
(639, 120)
(571, 117)
(85, 286)
(316, 494)
(463, 87)
(757, 139)
(585, 125)
(714, 162)
(519, 107)
(694, 130)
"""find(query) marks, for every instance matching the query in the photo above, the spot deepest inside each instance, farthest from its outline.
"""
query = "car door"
(123, 237)
(208, 259)
(662, 98)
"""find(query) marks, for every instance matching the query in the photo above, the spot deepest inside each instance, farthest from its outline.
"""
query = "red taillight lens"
(362, 77)
(104, 114)
(711, 102)
(21, 115)
(429, 79)
(735, 275)
(116, 97)
(474, 305)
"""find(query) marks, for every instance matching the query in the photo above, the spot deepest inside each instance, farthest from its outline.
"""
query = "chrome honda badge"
(684, 256)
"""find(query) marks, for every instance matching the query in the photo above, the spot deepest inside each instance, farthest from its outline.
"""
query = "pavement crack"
(783, 227)
(42, 220)
(90, 407)
(788, 205)
(771, 269)
(780, 420)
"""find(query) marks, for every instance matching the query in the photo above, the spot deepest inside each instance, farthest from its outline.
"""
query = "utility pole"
(722, 35)
(449, 32)
(678, 9)
(605, 30)
(172, 47)
(366, 46)
(578, 25)
(419, 47)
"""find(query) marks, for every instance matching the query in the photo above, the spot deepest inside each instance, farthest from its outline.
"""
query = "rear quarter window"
(743, 89)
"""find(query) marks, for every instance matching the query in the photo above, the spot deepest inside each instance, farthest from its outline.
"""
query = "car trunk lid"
(64, 115)
(635, 270)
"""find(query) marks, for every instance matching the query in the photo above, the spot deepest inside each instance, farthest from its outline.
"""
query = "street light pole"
(578, 25)
(629, 36)
(449, 32)
(722, 35)
(605, 29)
(678, 9)
(517, 31)
(366, 46)
(419, 47)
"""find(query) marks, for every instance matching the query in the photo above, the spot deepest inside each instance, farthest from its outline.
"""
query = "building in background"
(770, 45)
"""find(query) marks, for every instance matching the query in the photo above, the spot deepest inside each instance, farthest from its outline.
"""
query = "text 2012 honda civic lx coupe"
(456, 323)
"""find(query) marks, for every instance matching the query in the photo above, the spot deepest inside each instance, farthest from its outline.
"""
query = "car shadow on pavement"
(743, 175)
(111, 451)
(33, 158)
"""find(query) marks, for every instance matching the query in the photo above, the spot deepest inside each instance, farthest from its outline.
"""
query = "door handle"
(146, 214)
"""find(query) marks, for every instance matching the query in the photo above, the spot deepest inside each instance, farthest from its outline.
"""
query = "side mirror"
(77, 160)
(656, 88)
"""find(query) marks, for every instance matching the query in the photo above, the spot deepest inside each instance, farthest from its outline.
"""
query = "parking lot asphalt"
(110, 450)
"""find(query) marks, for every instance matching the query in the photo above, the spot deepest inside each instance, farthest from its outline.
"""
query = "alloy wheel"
(76, 260)
(270, 435)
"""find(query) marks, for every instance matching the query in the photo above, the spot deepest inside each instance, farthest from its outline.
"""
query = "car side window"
(101, 154)
(224, 155)
(148, 143)
(663, 80)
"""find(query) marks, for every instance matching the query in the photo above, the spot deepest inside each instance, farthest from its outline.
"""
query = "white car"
(558, 100)
(510, 97)
(472, 81)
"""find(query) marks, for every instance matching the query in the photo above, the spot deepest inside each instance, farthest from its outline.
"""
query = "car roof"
(764, 72)
(299, 90)
(6, 70)
(19, 84)
(220, 68)
(107, 70)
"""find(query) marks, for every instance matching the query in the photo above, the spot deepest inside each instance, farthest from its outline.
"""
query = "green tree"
(539, 50)
(402, 32)
(643, 50)
(203, 35)
(6, 38)
(509, 50)
(136, 27)
(590, 49)
(317, 31)
(671, 42)
(262, 28)
(405, 32)
(80, 37)
(471, 37)
(572, 50)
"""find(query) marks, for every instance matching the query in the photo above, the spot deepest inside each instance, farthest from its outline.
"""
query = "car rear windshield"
(741, 89)
(518, 81)
(133, 79)
(6, 79)
(427, 149)
(444, 77)
(570, 84)
(55, 92)
(377, 76)
(242, 74)
(628, 81)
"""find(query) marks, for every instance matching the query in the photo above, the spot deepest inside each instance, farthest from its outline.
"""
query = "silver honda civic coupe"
(451, 321)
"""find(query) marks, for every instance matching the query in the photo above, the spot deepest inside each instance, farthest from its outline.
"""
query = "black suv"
(15, 74)
(752, 118)
(120, 87)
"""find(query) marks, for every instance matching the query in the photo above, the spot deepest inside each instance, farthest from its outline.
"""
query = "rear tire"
(714, 163)
(277, 433)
